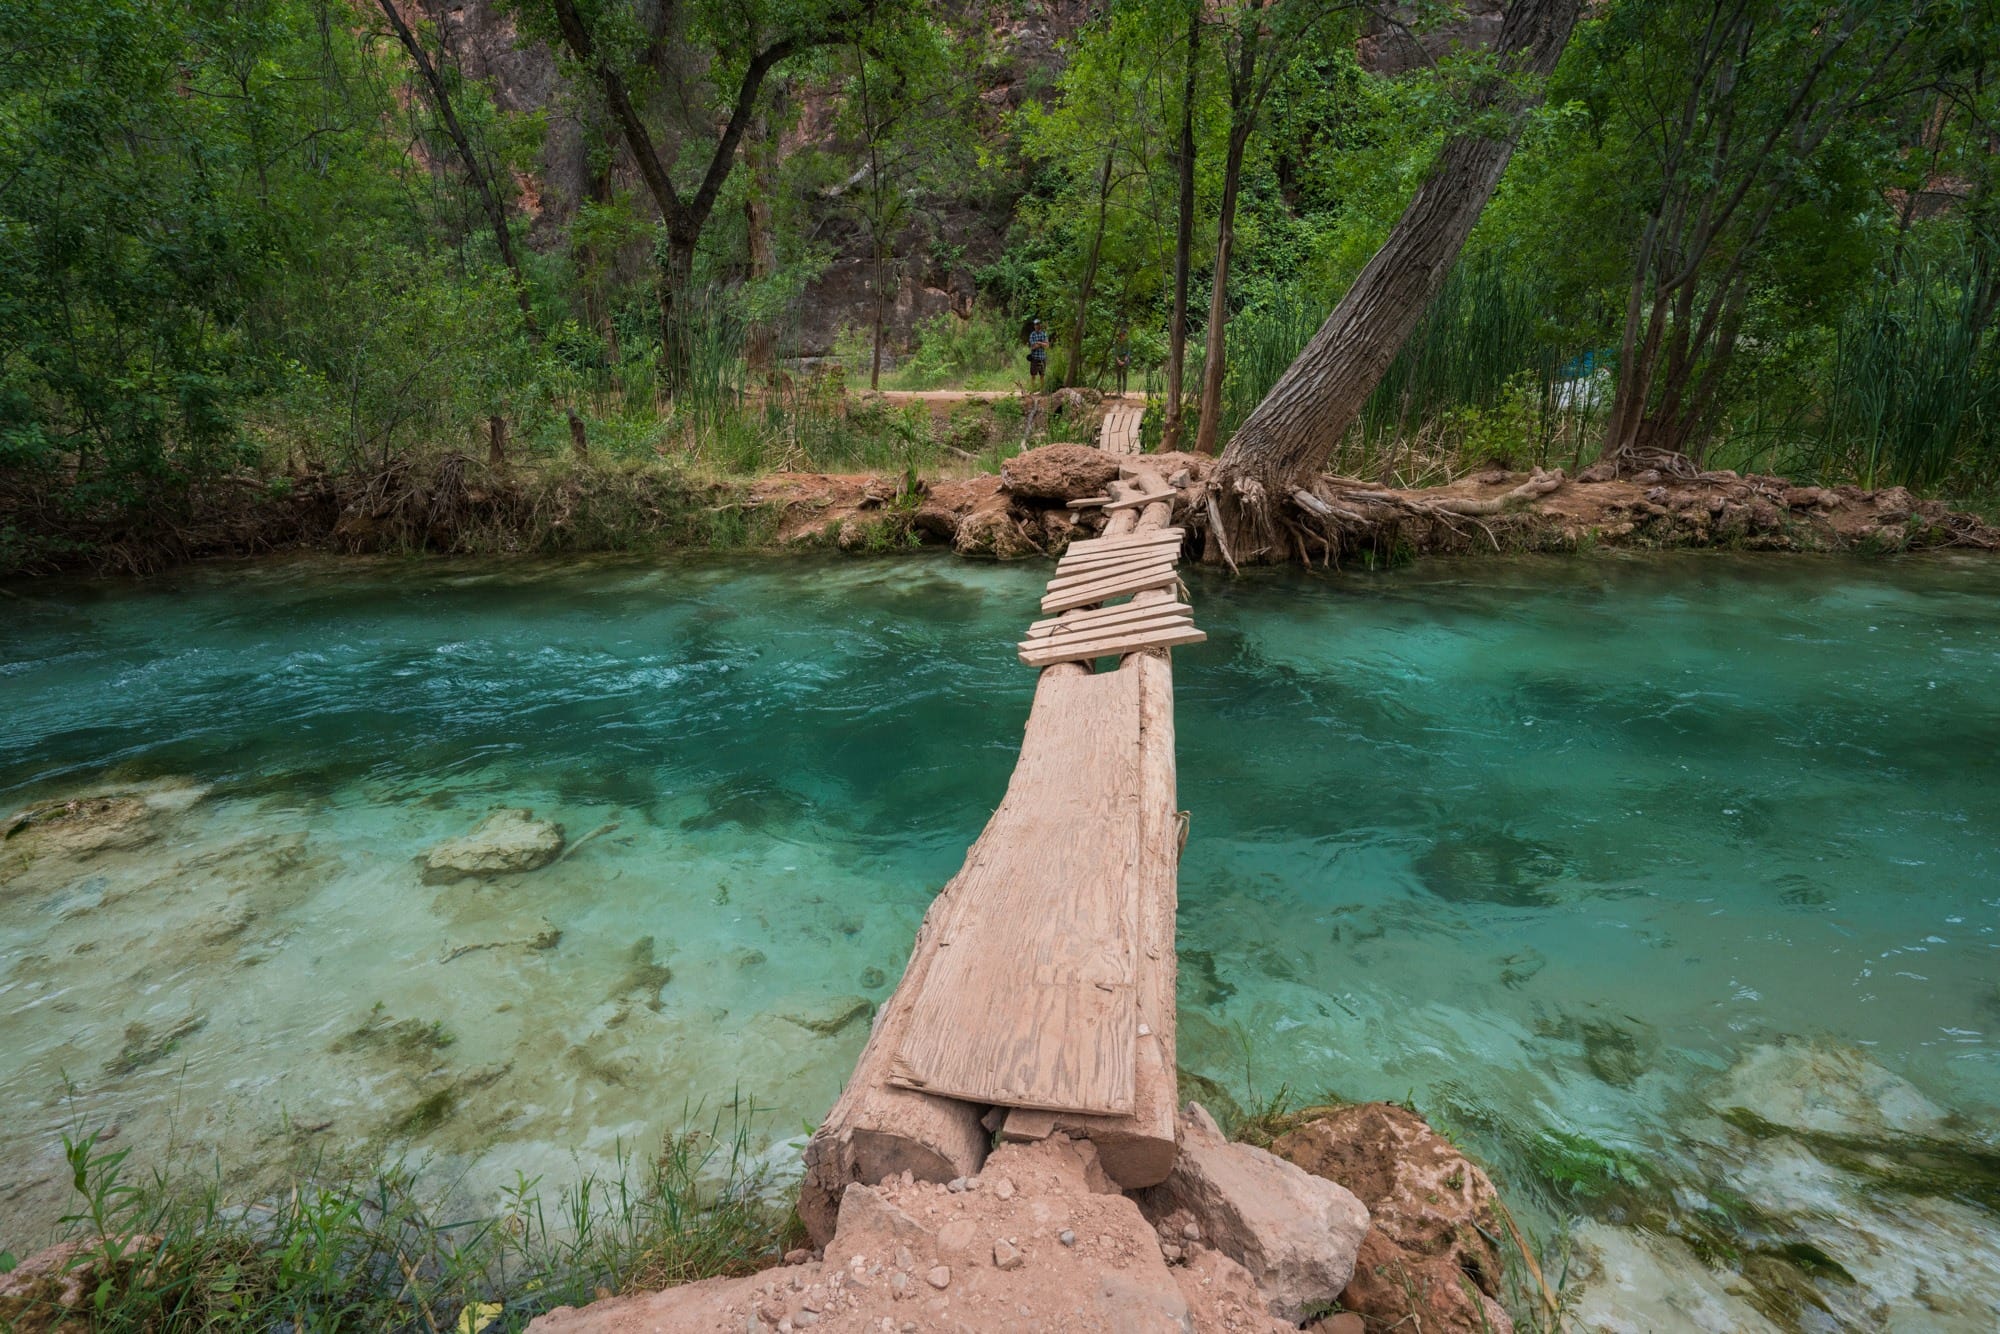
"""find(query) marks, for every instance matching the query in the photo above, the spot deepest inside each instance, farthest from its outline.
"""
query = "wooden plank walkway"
(1120, 432)
(1039, 997)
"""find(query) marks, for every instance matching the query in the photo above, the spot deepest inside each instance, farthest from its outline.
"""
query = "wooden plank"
(1100, 560)
(1112, 542)
(1028, 1001)
(1136, 639)
(1113, 559)
(1139, 1150)
(1086, 594)
(1161, 495)
(1163, 616)
(1137, 565)
(1089, 502)
(1124, 612)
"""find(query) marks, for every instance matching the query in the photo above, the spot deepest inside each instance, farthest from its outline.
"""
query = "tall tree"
(1258, 41)
(1289, 435)
(903, 108)
(1734, 105)
(738, 43)
(439, 96)
(1183, 232)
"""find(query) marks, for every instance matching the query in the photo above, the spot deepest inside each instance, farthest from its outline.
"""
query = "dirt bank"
(455, 504)
(1027, 511)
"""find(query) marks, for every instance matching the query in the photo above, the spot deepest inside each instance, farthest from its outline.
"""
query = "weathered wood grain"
(1084, 595)
(1028, 1000)
(1166, 633)
(1137, 565)
(1074, 622)
(1115, 537)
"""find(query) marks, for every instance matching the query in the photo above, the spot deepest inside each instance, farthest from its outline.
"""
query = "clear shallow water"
(1550, 846)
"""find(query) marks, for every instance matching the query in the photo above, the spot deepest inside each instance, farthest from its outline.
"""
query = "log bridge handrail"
(1039, 996)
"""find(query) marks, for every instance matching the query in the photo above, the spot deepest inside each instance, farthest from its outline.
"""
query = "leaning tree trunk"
(1290, 435)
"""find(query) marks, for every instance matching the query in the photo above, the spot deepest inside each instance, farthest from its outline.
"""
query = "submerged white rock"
(1829, 1089)
(509, 842)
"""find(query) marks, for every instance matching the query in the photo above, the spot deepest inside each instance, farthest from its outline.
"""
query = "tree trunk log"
(1290, 435)
(1183, 238)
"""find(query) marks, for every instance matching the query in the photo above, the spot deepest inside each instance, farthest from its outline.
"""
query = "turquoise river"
(1669, 886)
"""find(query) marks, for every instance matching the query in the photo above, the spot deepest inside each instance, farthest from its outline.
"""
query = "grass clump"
(341, 1247)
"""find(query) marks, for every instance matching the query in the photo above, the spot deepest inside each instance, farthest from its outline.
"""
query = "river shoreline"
(458, 506)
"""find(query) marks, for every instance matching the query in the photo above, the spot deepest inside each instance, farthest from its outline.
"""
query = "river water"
(1669, 886)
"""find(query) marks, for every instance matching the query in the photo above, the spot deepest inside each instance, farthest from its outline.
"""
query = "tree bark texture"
(1183, 237)
(1291, 434)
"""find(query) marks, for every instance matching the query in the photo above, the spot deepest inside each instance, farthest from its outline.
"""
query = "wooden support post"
(876, 1129)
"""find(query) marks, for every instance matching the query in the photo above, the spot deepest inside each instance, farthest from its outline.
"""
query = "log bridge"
(1039, 995)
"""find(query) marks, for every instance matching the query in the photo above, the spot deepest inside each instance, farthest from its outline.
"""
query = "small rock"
(1191, 1231)
(805, 1319)
(871, 978)
(1344, 1323)
(508, 843)
(956, 1185)
(1171, 1251)
(899, 1284)
(1066, 1237)
(939, 1277)
(972, 1183)
(1003, 1189)
(798, 1257)
(1006, 1255)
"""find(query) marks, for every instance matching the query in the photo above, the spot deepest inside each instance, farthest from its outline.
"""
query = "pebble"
(1006, 1255)
(905, 1260)
(1192, 1232)
(1004, 1188)
(972, 1183)
(805, 1319)
(956, 1185)
(1066, 1237)
(899, 1283)
(939, 1278)
(1171, 1252)
(798, 1257)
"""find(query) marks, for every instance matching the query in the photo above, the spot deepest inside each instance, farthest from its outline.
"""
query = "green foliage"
(1915, 386)
(346, 1247)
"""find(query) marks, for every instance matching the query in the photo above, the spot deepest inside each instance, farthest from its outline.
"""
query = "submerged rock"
(1826, 1089)
(80, 826)
(507, 843)
(825, 1015)
(1434, 1214)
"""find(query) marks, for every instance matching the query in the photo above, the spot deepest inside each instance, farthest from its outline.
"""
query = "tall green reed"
(1913, 389)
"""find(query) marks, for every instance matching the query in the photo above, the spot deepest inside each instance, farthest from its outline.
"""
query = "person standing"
(1038, 354)
(1121, 356)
